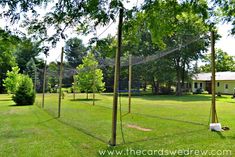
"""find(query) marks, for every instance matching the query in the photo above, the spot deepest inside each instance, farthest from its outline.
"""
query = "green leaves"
(12, 80)
(24, 94)
(89, 77)
(75, 51)
(223, 61)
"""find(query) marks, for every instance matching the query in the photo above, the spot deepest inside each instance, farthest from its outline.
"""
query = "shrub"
(24, 94)
(11, 82)
(198, 91)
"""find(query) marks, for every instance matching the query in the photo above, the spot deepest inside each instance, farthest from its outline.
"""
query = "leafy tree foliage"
(164, 24)
(24, 94)
(21, 86)
(85, 14)
(89, 77)
(223, 62)
(12, 80)
(8, 43)
(227, 10)
(106, 48)
(53, 79)
(25, 51)
(75, 51)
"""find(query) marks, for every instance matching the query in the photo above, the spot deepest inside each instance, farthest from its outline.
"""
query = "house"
(225, 82)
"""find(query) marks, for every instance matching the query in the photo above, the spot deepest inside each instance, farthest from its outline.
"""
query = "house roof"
(227, 75)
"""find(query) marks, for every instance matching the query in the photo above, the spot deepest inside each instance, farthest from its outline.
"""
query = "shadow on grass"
(170, 119)
(5, 99)
(15, 105)
(45, 121)
(184, 98)
(79, 99)
(155, 116)
(220, 134)
(162, 137)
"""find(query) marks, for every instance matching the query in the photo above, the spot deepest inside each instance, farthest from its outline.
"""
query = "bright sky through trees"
(226, 43)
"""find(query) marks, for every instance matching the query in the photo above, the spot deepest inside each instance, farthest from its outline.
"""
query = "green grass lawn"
(172, 123)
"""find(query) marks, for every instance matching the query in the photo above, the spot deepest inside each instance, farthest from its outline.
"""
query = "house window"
(217, 84)
(195, 85)
(200, 85)
(226, 86)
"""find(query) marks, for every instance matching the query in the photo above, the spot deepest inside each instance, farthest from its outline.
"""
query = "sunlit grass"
(83, 129)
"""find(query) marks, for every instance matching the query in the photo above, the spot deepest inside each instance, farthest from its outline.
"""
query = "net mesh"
(142, 124)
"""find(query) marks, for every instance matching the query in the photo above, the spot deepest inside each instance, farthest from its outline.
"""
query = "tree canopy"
(75, 51)
(223, 62)
(89, 77)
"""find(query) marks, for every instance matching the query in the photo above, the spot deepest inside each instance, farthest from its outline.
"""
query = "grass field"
(156, 122)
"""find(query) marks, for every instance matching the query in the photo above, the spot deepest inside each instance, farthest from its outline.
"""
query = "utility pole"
(129, 84)
(60, 80)
(213, 101)
(44, 83)
(116, 80)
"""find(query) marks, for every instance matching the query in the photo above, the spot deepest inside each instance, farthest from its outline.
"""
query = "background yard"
(156, 122)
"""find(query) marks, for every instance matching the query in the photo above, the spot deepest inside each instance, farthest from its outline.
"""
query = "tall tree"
(75, 51)
(89, 77)
(53, 76)
(85, 15)
(226, 9)
(223, 62)
(8, 44)
(106, 48)
(11, 82)
(26, 50)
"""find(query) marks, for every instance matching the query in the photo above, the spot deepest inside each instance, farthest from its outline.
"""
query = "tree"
(106, 48)
(53, 76)
(190, 26)
(89, 77)
(168, 24)
(75, 51)
(24, 94)
(8, 44)
(25, 51)
(223, 62)
(12, 81)
(226, 12)
(60, 16)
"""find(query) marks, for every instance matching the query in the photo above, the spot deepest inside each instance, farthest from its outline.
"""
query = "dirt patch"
(138, 127)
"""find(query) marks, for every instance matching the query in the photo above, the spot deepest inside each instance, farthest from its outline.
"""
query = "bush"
(198, 91)
(24, 94)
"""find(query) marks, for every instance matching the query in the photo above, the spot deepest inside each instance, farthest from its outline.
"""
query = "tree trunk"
(153, 85)
(183, 77)
(145, 85)
(86, 94)
(157, 87)
(178, 88)
(169, 88)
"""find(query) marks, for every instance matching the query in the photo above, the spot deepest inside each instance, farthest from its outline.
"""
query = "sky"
(226, 43)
